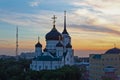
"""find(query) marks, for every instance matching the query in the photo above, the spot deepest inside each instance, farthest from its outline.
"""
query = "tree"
(10, 69)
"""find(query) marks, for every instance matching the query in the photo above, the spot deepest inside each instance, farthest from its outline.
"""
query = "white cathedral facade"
(57, 53)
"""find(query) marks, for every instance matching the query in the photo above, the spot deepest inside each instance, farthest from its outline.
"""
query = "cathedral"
(58, 51)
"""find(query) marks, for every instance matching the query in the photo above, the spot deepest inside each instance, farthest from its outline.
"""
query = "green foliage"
(11, 69)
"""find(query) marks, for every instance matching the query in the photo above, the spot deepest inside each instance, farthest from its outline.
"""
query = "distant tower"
(38, 48)
(16, 41)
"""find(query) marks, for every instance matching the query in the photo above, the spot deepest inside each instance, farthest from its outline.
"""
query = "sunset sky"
(94, 25)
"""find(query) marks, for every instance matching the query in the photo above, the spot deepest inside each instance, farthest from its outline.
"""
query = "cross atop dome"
(53, 34)
(54, 17)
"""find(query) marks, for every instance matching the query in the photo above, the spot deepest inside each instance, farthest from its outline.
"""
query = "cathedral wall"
(69, 59)
(45, 65)
(59, 51)
(38, 51)
(51, 44)
(66, 39)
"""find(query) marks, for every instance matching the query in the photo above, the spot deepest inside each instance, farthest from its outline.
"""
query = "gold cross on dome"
(54, 17)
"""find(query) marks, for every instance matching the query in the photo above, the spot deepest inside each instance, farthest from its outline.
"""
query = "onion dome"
(38, 44)
(113, 51)
(53, 34)
(59, 44)
(68, 45)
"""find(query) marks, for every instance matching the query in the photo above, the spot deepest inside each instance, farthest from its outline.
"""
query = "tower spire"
(54, 17)
(64, 19)
(65, 30)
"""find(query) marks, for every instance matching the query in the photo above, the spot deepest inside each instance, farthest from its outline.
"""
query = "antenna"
(17, 41)
(38, 39)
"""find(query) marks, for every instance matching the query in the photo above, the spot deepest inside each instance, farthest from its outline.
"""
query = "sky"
(94, 25)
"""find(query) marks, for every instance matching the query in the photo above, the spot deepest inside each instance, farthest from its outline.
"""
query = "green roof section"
(47, 58)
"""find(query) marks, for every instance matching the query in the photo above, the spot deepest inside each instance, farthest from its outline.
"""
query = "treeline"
(65, 73)
(11, 69)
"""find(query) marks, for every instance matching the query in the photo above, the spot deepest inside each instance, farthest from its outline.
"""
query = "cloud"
(91, 23)
(4, 41)
(34, 3)
(104, 6)
(25, 19)
(93, 28)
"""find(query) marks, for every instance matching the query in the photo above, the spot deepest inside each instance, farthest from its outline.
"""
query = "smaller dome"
(38, 45)
(113, 51)
(68, 45)
(59, 44)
